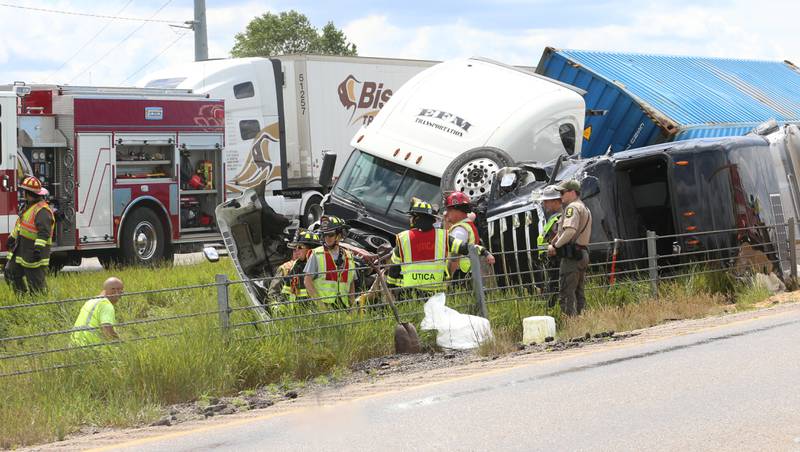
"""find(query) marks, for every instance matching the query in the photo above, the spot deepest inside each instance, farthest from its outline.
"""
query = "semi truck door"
(8, 150)
(94, 188)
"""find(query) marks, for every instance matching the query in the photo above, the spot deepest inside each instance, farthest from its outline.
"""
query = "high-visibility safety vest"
(541, 241)
(422, 257)
(472, 237)
(26, 229)
(293, 286)
(88, 322)
(335, 282)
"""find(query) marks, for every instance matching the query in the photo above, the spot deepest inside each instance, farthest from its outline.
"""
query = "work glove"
(37, 254)
(10, 243)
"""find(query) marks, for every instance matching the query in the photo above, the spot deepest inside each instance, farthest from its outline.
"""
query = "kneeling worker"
(331, 270)
(95, 322)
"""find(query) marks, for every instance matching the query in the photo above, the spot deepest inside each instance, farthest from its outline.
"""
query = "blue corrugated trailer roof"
(650, 99)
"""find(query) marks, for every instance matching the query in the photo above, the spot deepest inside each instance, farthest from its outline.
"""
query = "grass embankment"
(133, 381)
(630, 306)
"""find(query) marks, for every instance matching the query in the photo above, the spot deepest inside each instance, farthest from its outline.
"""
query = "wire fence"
(271, 307)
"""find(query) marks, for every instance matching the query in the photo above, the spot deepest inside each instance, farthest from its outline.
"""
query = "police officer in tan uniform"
(571, 245)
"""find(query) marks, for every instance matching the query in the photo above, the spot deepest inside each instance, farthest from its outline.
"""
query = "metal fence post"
(222, 301)
(477, 281)
(791, 234)
(652, 262)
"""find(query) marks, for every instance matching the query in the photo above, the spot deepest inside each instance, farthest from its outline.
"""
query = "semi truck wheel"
(473, 171)
(143, 239)
(312, 212)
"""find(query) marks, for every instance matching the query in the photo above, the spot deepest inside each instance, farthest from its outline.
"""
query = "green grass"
(134, 381)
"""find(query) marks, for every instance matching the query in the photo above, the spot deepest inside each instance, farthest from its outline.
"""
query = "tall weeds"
(130, 383)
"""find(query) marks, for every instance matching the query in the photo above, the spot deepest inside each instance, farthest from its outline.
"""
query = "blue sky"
(38, 47)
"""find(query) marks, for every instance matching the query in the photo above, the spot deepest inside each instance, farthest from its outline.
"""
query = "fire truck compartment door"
(200, 141)
(95, 217)
(8, 151)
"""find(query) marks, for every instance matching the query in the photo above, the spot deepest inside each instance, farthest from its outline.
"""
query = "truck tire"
(473, 171)
(312, 212)
(60, 260)
(143, 239)
(108, 261)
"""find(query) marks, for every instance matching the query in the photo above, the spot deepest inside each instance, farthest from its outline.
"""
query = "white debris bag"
(771, 282)
(454, 330)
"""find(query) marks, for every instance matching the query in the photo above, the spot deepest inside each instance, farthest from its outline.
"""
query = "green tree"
(287, 33)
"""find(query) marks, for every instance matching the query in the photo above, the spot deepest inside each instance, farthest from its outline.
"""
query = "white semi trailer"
(282, 113)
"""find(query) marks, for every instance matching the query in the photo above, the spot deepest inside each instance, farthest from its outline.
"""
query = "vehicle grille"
(512, 239)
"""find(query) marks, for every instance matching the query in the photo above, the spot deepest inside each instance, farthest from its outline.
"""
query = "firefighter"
(551, 202)
(421, 252)
(419, 256)
(571, 245)
(30, 240)
(461, 230)
(330, 272)
(289, 284)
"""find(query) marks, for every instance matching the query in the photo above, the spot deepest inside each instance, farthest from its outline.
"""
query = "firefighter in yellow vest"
(331, 270)
(421, 253)
(419, 257)
(30, 240)
(461, 230)
(551, 204)
(289, 287)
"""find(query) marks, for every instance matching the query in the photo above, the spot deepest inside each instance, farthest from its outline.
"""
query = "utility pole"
(200, 31)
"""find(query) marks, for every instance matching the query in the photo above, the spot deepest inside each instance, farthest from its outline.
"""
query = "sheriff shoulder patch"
(569, 212)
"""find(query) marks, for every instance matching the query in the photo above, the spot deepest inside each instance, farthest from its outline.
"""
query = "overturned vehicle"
(705, 200)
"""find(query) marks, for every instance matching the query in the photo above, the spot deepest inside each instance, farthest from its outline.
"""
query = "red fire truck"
(134, 175)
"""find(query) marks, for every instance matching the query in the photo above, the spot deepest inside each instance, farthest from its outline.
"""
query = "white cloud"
(735, 30)
(34, 44)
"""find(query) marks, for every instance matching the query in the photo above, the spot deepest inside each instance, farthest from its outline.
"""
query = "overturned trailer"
(683, 191)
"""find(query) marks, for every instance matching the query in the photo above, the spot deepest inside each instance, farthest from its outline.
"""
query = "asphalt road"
(727, 388)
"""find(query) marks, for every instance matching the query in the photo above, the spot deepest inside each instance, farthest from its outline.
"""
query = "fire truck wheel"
(59, 260)
(108, 261)
(473, 171)
(143, 239)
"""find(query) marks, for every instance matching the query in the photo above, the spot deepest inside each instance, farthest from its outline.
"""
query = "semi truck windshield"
(385, 188)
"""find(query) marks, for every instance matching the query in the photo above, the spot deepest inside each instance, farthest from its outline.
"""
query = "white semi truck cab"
(452, 127)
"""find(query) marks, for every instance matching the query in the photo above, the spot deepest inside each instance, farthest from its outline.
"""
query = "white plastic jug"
(536, 328)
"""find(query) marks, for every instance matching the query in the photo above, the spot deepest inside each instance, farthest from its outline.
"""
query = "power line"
(125, 39)
(155, 57)
(86, 44)
(97, 16)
